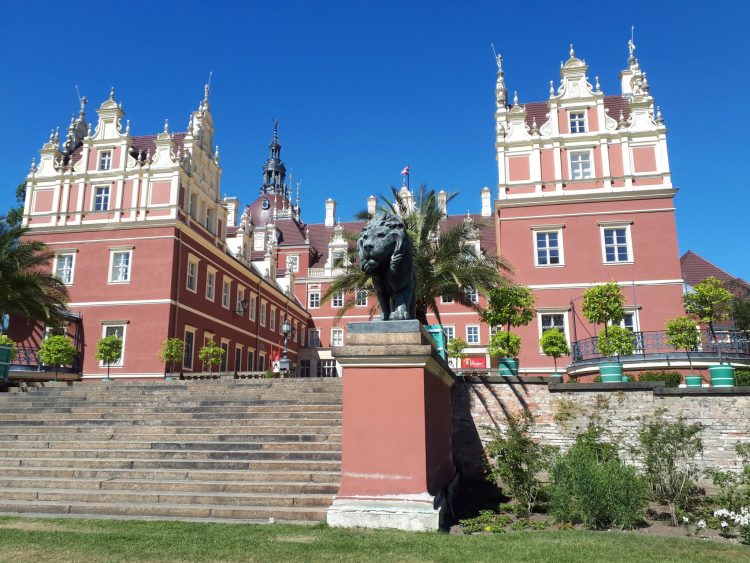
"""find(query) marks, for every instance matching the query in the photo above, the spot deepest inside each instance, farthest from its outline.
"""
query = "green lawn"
(116, 540)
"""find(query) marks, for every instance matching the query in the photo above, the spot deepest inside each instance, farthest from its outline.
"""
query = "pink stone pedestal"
(397, 465)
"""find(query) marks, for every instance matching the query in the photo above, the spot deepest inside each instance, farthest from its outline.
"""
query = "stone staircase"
(201, 450)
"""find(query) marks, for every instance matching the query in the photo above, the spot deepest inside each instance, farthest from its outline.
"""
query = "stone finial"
(499, 60)
(572, 51)
(598, 88)
(622, 120)
(127, 127)
(32, 169)
(166, 126)
(112, 93)
(551, 88)
(534, 128)
(659, 119)
(216, 154)
(515, 97)
(82, 112)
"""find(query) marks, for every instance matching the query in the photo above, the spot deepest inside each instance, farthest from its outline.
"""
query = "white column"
(606, 172)
(557, 158)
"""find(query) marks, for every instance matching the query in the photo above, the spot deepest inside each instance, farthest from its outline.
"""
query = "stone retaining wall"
(561, 411)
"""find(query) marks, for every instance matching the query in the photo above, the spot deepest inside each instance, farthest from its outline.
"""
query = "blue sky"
(363, 88)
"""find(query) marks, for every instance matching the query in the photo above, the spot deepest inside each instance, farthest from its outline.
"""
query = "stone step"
(310, 444)
(196, 412)
(182, 464)
(176, 511)
(192, 476)
(172, 454)
(189, 433)
(163, 486)
(168, 497)
(199, 419)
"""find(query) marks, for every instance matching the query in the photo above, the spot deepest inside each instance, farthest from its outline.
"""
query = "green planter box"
(626, 379)
(693, 381)
(508, 366)
(5, 353)
(611, 372)
(722, 376)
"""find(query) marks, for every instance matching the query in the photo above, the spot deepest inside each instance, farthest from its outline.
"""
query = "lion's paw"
(399, 315)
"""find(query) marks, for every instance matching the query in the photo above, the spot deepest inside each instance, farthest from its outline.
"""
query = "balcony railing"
(27, 359)
(733, 343)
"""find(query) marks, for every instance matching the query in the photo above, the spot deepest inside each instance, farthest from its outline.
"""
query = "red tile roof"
(612, 105)
(695, 269)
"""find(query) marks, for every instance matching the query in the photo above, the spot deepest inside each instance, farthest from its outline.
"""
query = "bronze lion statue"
(385, 254)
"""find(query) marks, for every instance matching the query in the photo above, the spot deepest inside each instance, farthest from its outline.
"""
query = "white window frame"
(226, 293)
(110, 324)
(337, 300)
(112, 253)
(71, 270)
(192, 261)
(310, 299)
(263, 310)
(584, 121)
(603, 226)
(238, 349)
(211, 287)
(272, 319)
(577, 153)
(553, 311)
(259, 240)
(358, 294)
(292, 263)
(251, 359)
(546, 229)
(472, 294)
(191, 330)
(95, 199)
(470, 340)
(446, 300)
(104, 160)
(337, 337)
(313, 336)
(251, 306)
(450, 332)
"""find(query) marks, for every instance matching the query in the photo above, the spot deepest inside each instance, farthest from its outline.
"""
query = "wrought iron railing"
(649, 343)
(27, 358)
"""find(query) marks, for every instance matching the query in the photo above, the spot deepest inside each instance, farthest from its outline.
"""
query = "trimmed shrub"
(590, 484)
(516, 460)
(742, 377)
(670, 378)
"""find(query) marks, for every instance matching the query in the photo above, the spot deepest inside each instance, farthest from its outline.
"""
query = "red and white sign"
(474, 363)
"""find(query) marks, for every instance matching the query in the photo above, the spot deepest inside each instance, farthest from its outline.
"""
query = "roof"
(145, 143)
(613, 105)
(695, 269)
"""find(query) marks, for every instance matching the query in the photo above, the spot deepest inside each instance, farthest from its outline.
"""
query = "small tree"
(109, 350)
(682, 334)
(554, 344)
(617, 341)
(6, 341)
(604, 304)
(504, 345)
(56, 351)
(710, 303)
(211, 354)
(455, 349)
(509, 306)
(171, 351)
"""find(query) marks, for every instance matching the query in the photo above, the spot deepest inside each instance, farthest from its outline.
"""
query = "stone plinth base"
(397, 463)
(413, 513)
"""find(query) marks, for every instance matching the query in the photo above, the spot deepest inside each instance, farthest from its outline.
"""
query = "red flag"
(405, 171)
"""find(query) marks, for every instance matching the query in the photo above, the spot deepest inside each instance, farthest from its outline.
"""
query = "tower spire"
(274, 171)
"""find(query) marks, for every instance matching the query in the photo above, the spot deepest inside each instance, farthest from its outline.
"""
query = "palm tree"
(446, 266)
(27, 287)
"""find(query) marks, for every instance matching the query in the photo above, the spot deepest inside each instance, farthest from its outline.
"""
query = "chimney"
(443, 202)
(233, 208)
(330, 213)
(486, 202)
(372, 204)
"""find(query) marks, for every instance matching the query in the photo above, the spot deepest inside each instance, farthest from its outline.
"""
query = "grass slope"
(62, 540)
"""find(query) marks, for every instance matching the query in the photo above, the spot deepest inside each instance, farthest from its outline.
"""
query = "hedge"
(670, 378)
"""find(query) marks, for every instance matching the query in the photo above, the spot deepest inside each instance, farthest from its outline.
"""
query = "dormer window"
(339, 258)
(577, 121)
(105, 160)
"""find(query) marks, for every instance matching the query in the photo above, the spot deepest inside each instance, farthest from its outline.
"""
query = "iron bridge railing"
(649, 343)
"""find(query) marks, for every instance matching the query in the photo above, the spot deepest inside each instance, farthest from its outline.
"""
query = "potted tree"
(554, 344)
(211, 354)
(508, 306)
(171, 351)
(616, 341)
(109, 351)
(682, 334)
(710, 303)
(56, 351)
(455, 349)
(603, 304)
(506, 346)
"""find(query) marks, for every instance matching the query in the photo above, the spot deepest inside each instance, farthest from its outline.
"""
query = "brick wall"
(563, 410)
